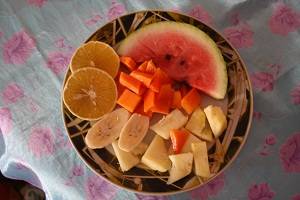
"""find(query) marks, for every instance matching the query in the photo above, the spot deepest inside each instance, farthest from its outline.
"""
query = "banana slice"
(133, 132)
(107, 129)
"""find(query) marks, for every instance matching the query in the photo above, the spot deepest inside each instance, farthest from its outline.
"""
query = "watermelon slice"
(183, 51)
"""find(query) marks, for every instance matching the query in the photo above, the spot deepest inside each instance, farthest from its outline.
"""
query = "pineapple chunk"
(187, 145)
(196, 122)
(201, 159)
(174, 120)
(198, 125)
(217, 119)
(156, 156)
(126, 159)
(206, 134)
(181, 166)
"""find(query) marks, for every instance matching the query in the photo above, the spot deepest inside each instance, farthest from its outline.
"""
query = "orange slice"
(90, 93)
(96, 54)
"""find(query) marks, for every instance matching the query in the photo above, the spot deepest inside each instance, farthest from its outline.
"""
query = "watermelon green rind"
(220, 88)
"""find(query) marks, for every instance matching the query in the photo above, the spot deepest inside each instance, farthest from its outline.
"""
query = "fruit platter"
(157, 102)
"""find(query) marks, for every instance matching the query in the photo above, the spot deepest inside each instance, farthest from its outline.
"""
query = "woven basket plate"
(239, 106)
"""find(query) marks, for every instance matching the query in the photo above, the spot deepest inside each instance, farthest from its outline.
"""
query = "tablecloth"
(37, 38)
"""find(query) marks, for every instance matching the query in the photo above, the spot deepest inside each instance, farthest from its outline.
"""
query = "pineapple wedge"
(156, 156)
(126, 159)
(174, 120)
(198, 125)
(206, 134)
(181, 166)
(187, 145)
(217, 120)
(201, 159)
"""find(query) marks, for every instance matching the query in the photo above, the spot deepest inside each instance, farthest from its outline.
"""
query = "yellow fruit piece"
(126, 159)
(156, 156)
(181, 166)
(201, 159)
(217, 119)
(198, 125)
(96, 54)
(90, 93)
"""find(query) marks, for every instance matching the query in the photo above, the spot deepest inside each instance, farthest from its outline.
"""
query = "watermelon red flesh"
(182, 56)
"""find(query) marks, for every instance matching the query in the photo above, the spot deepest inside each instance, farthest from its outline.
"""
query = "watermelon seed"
(168, 57)
(182, 62)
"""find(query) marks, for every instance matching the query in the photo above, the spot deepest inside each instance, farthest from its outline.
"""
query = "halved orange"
(89, 93)
(96, 54)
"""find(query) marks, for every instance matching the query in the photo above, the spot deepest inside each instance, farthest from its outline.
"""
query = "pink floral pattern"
(201, 14)
(260, 192)
(270, 140)
(37, 3)
(263, 81)
(235, 18)
(76, 171)
(257, 115)
(98, 189)
(60, 43)
(296, 197)
(274, 69)
(18, 48)
(116, 10)
(5, 120)
(240, 35)
(12, 93)
(32, 105)
(284, 19)
(210, 189)
(41, 142)
(58, 62)
(94, 19)
(295, 95)
(290, 154)
(63, 141)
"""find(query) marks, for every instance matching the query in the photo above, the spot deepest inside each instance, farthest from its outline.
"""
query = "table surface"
(37, 38)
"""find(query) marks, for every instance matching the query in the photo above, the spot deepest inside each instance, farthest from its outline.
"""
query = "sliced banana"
(133, 132)
(107, 129)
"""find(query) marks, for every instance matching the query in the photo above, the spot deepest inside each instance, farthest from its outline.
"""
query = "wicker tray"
(239, 112)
